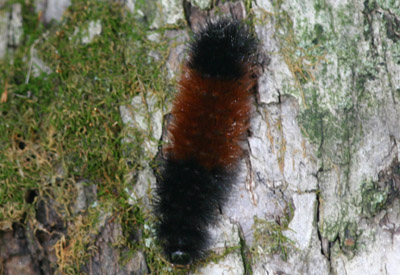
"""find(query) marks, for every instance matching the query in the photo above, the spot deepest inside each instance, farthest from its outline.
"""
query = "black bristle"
(190, 189)
(189, 197)
(221, 48)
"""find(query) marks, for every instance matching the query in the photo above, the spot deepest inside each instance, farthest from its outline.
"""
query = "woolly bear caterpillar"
(210, 117)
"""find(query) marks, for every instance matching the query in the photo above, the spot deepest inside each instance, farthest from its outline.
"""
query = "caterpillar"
(210, 119)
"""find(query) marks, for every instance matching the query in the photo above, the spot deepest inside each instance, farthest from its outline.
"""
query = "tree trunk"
(318, 191)
(321, 183)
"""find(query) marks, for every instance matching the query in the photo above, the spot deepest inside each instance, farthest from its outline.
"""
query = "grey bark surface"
(322, 156)
(324, 142)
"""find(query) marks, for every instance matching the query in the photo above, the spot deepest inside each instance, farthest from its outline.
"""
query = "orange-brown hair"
(210, 117)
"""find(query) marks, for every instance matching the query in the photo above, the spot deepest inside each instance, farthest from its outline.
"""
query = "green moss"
(66, 126)
(334, 63)
(269, 237)
(349, 240)
(319, 5)
(319, 36)
(146, 10)
(391, 5)
(374, 200)
(312, 120)
(376, 197)
(331, 75)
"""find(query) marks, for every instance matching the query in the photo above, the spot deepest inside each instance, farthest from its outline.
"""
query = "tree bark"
(324, 143)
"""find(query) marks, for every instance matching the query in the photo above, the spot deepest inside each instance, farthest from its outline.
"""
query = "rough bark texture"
(324, 145)
(319, 190)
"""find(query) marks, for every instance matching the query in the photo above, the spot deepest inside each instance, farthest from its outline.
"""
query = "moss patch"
(65, 127)
(376, 196)
(269, 237)
(342, 80)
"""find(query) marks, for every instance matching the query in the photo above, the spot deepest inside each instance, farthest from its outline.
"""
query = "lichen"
(269, 237)
(377, 195)
(341, 80)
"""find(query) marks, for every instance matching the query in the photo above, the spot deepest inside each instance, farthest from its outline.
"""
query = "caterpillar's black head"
(187, 203)
(184, 239)
(183, 248)
(180, 258)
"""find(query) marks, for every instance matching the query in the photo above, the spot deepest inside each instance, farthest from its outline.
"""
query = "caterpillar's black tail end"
(188, 199)
(222, 48)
